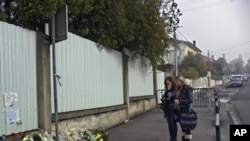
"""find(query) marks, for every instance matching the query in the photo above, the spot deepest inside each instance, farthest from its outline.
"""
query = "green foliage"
(3, 16)
(148, 31)
(196, 62)
(190, 73)
(134, 24)
(30, 14)
(221, 66)
(101, 134)
(216, 77)
(211, 66)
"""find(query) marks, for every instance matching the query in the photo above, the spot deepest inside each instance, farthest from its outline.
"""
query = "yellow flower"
(25, 138)
(97, 136)
(68, 133)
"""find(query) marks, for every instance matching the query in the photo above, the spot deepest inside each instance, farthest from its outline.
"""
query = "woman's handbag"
(188, 120)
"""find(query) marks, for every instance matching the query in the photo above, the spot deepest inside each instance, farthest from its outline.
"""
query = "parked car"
(236, 81)
(245, 78)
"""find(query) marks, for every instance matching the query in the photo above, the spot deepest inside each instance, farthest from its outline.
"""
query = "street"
(241, 103)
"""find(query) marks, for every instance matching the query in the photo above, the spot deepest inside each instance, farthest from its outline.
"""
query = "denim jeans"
(172, 126)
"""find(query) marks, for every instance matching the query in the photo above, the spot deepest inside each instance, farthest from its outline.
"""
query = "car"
(236, 81)
(245, 78)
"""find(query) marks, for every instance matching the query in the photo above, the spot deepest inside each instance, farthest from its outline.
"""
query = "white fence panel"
(160, 79)
(18, 79)
(140, 79)
(91, 76)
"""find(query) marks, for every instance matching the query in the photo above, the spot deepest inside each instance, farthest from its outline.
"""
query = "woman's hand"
(177, 101)
(169, 86)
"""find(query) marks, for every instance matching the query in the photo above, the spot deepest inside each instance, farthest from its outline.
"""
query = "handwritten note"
(11, 116)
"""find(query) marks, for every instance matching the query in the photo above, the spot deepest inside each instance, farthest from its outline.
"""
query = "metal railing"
(202, 97)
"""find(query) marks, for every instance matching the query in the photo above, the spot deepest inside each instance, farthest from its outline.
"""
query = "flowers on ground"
(69, 135)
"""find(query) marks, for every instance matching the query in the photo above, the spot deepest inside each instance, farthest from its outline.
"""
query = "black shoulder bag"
(188, 120)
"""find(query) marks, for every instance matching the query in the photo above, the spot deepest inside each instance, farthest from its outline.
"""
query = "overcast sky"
(220, 26)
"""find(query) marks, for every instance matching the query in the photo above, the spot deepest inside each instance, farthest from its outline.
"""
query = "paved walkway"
(152, 126)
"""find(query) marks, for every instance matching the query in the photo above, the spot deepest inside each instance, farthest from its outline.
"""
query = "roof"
(206, 58)
(188, 44)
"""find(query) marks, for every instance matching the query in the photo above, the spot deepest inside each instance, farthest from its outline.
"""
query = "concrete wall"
(105, 117)
(93, 121)
(139, 106)
(203, 82)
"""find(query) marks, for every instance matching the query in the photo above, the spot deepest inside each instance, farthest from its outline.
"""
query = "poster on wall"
(10, 99)
(11, 116)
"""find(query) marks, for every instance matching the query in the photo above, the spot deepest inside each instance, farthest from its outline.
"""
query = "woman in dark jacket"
(184, 96)
(168, 99)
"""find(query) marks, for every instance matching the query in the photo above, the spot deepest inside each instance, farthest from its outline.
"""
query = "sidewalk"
(152, 126)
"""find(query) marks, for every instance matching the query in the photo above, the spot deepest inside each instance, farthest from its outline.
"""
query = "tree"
(148, 30)
(237, 65)
(247, 67)
(191, 63)
(171, 14)
(190, 73)
(212, 66)
(30, 14)
(134, 24)
(221, 66)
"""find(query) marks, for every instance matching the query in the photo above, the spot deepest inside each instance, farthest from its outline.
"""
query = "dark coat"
(168, 102)
(185, 98)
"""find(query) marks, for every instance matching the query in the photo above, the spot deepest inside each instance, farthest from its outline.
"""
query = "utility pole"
(209, 73)
(209, 60)
(224, 63)
(175, 46)
(224, 69)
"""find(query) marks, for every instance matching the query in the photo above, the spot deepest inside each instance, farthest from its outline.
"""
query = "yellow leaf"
(68, 133)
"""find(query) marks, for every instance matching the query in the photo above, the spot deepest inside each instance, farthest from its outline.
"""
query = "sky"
(218, 26)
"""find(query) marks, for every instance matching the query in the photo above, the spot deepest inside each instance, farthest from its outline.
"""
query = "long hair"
(172, 81)
(179, 88)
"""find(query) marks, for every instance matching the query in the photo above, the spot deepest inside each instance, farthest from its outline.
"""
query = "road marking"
(226, 95)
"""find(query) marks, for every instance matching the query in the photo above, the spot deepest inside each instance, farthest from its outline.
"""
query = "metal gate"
(202, 97)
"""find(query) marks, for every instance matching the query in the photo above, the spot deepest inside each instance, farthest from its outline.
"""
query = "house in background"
(182, 49)
(168, 66)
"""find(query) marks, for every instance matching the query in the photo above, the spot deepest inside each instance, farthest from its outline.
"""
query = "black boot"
(173, 139)
(183, 138)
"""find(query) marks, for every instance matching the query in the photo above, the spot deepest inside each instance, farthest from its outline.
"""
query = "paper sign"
(11, 116)
(10, 99)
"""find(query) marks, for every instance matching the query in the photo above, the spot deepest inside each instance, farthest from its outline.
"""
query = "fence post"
(217, 119)
(43, 82)
(125, 84)
(156, 99)
(155, 84)
(209, 99)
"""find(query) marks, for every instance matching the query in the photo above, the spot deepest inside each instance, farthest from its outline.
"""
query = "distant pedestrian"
(168, 100)
(184, 100)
